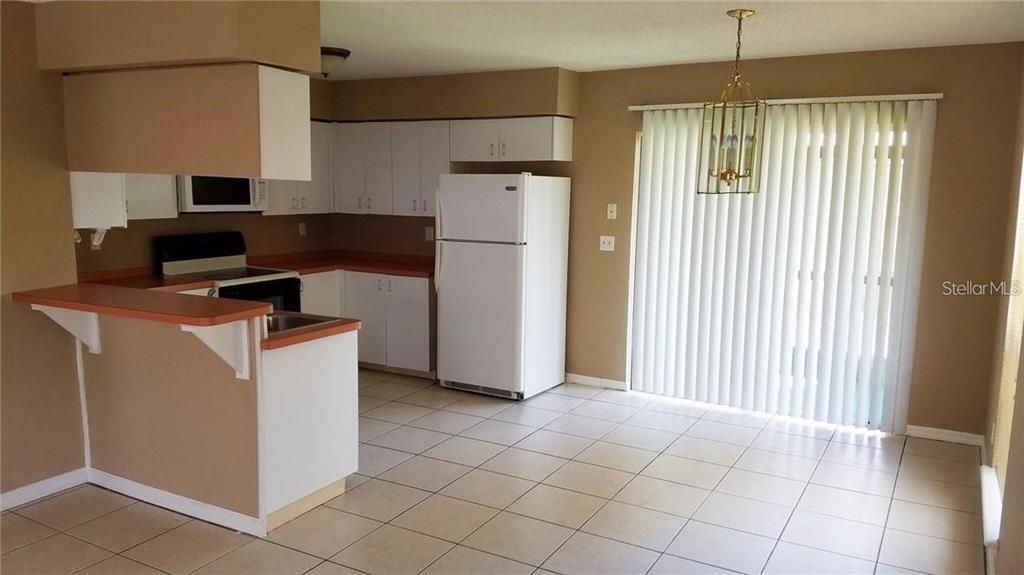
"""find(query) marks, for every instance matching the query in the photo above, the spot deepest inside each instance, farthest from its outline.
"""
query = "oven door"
(284, 294)
(221, 194)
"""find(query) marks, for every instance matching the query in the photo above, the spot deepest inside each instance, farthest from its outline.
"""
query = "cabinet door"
(405, 168)
(525, 139)
(321, 293)
(377, 167)
(151, 196)
(474, 140)
(282, 198)
(315, 196)
(98, 200)
(347, 167)
(366, 300)
(435, 159)
(408, 322)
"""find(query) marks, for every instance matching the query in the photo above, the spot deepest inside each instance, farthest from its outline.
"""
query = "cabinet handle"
(389, 286)
(369, 203)
(414, 205)
(378, 284)
(360, 203)
(303, 203)
(423, 204)
(295, 204)
(492, 149)
(503, 149)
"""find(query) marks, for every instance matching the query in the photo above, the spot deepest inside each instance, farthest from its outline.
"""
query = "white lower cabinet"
(323, 293)
(408, 323)
(366, 300)
(395, 311)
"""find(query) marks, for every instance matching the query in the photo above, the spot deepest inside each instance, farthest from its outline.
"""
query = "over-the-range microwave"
(221, 194)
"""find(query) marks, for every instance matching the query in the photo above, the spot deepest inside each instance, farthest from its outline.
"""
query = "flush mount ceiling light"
(332, 60)
(731, 132)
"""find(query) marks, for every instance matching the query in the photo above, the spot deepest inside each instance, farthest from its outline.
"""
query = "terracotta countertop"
(303, 334)
(153, 305)
(309, 263)
(304, 263)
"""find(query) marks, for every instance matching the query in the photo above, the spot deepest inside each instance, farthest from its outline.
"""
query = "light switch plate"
(607, 243)
(429, 234)
(613, 211)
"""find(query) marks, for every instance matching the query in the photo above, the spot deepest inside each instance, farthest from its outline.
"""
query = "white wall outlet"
(429, 234)
(613, 211)
(607, 243)
(302, 229)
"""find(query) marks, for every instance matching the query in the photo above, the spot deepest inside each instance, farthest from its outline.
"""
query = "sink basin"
(279, 321)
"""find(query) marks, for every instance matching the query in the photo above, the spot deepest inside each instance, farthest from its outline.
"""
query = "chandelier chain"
(739, 39)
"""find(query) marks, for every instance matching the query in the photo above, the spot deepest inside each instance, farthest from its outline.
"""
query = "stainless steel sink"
(279, 321)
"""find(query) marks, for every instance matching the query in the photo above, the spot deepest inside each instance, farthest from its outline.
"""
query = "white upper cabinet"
(544, 138)
(347, 168)
(419, 155)
(361, 158)
(435, 159)
(98, 200)
(314, 196)
(405, 168)
(110, 199)
(377, 183)
(475, 140)
(151, 196)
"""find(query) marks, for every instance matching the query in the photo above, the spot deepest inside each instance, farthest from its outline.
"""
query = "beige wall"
(95, 35)
(166, 412)
(970, 195)
(39, 409)
(264, 235)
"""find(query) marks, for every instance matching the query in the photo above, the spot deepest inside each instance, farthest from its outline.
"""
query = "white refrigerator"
(501, 272)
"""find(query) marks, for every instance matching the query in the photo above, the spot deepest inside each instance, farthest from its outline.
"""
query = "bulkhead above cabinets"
(242, 120)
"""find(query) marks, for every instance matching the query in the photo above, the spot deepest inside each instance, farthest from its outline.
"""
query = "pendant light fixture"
(731, 133)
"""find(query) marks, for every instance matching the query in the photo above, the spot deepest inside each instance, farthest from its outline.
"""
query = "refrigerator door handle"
(439, 232)
(437, 264)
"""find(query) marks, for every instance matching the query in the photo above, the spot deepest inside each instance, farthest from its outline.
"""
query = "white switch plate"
(607, 243)
(302, 228)
(429, 235)
(613, 211)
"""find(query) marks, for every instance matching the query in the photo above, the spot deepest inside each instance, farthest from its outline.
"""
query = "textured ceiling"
(390, 39)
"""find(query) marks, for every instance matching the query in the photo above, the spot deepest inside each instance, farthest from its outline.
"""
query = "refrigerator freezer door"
(479, 309)
(482, 208)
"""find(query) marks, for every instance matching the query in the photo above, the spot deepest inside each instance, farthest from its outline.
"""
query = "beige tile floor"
(578, 480)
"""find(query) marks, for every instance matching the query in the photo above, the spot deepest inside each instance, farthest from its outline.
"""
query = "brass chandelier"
(731, 133)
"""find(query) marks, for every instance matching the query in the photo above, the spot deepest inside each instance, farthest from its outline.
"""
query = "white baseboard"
(595, 381)
(212, 513)
(946, 435)
(40, 489)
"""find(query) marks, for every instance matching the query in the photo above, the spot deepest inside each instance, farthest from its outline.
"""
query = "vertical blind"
(799, 300)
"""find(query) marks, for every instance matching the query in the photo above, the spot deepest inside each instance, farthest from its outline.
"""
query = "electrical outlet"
(302, 229)
(613, 211)
(607, 243)
(429, 235)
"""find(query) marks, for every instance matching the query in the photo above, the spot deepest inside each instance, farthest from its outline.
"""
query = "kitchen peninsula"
(191, 404)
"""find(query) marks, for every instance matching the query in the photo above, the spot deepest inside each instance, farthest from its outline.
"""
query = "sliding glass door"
(798, 300)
